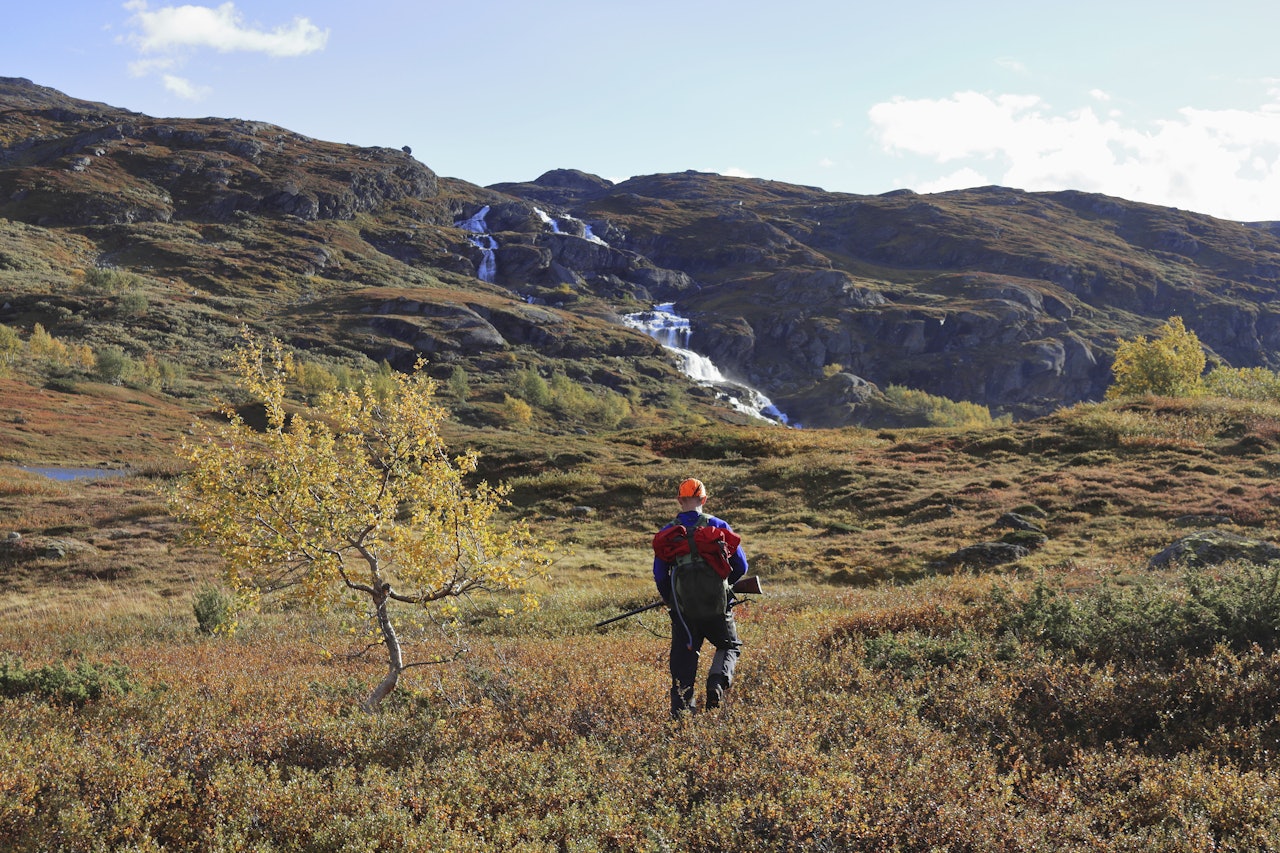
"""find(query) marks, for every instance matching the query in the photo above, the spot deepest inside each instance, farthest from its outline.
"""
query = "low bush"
(215, 609)
(913, 406)
(85, 682)
(912, 652)
(1154, 621)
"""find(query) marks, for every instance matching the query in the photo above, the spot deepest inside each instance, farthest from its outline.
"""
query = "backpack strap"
(693, 555)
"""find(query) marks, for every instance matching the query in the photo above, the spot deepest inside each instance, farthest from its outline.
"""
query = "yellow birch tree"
(354, 497)
(1170, 364)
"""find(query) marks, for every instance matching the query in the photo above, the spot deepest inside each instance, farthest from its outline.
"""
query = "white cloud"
(1222, 162)
(733, 172)
(184, 88)
(176, 32)
(144, 67)
(223, 29)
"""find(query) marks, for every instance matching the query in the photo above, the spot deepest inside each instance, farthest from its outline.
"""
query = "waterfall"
(488, 269)
(546, 217)
(554, 225)
(673, 331)
(588, 234)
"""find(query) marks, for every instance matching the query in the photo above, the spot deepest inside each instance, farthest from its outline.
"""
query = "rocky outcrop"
(1009, 299)
(982, 555)
(24, 549)
(96, 165)
(1211, 547)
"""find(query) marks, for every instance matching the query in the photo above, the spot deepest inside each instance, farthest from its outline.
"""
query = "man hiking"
(697, 558)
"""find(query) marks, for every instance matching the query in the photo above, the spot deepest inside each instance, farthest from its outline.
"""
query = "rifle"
(744, 586)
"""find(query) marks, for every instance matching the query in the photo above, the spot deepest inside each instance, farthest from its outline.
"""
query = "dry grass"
(890, 718)
(880, 705)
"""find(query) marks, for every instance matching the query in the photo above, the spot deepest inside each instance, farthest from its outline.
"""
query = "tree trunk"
(395, 660)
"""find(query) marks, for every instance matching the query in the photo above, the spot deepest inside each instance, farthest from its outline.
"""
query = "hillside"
(1058, 632)
(1011, 300)
(163, 237)
(890, 697)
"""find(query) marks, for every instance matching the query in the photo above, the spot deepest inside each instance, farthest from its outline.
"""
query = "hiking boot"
(682, 702)
(717, 686)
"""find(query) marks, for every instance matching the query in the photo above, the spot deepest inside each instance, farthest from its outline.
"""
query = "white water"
(488, 269)
(672, 331)
(554, 225)
(546, 217)
(587, 233)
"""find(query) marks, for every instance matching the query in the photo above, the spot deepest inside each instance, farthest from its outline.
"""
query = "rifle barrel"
(630, 613)
(748, 585)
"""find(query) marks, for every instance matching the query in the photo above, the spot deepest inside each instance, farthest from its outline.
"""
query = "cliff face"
(1015, 300)
(1009, 299)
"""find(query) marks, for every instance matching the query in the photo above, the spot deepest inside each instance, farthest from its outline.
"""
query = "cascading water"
(546, 218)
(587, 234)
(554, 225)
(672, 331)
(488, 269)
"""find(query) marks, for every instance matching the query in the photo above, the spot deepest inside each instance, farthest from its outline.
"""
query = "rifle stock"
(744, 586)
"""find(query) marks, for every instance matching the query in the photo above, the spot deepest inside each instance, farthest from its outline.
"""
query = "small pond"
(55, 472)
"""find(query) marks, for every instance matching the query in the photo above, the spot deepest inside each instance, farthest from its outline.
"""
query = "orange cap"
(692, 488)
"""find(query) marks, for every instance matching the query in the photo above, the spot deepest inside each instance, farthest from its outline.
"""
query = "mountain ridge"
(1005, 298)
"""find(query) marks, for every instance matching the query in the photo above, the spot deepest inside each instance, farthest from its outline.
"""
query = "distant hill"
(1015, 300)
(1008, 299)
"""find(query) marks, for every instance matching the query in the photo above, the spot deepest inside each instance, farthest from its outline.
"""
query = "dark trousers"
(687, 637)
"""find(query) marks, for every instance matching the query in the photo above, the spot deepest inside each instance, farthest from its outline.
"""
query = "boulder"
(27, 548)
(1211, 547)
(460, 329)
(1016, 521)
(984, 555)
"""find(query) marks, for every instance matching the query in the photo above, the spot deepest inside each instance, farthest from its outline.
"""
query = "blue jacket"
(662, 569)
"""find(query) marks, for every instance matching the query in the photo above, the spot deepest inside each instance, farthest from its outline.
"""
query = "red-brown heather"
(1075, 699)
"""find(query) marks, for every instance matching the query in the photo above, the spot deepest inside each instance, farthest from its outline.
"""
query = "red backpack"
(713, 544)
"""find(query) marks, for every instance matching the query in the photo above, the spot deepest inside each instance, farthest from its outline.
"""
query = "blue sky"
(1174, 103)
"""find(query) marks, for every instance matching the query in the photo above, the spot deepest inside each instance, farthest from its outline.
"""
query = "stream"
(671, 330)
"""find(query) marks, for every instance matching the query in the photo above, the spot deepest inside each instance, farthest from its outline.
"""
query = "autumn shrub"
(516, 412)
(160, 373)
(910, 652)
(1170, 364)
(10, 346)
(110, 280)
(313, 379)
(459, 385)
(77, 685)
(111, 364)
(215, 609)
(1156, 621)
(915, 406)
(532, 388)
(132, 305)
(1243, 383)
